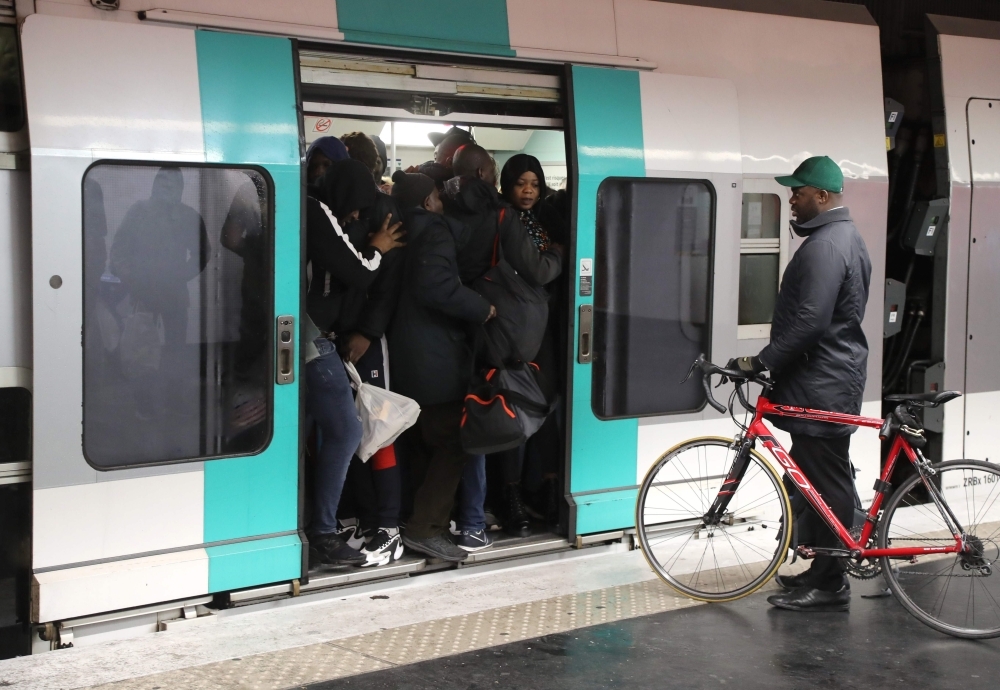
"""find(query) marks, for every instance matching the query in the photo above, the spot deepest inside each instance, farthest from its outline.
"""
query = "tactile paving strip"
(419, 641)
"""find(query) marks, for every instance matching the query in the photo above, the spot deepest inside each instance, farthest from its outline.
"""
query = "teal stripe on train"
(607, 111)
(458, 26)
(247, 86)
(249, 563)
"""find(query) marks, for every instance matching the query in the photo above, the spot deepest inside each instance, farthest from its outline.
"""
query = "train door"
(656, 258)
(165, 212)
(15, 353)
(982, 384)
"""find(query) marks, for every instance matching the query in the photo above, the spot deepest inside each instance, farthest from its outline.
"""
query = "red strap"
(496, 239)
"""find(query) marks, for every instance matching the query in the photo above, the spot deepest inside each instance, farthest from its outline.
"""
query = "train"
(665, 122)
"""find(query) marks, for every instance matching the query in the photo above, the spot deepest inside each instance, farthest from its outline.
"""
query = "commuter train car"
(165, 467)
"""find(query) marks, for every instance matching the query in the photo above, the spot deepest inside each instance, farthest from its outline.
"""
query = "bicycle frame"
(900, 446)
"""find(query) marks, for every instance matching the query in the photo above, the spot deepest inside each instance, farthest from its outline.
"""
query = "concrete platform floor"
(744, 644)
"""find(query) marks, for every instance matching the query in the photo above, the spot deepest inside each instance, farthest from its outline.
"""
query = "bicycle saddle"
(933, 398)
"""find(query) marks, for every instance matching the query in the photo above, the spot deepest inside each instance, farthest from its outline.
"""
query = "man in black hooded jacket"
(819, 356)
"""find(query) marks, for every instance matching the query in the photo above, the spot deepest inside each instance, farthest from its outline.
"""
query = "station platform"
(583, 620)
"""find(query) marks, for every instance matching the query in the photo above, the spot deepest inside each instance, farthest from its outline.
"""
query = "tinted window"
(177, 313)
(11, 99)
(652, 294)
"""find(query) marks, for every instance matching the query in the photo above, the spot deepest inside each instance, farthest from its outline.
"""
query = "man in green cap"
(818, 355)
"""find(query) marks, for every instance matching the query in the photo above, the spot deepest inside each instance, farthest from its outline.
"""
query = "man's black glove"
(748, 365)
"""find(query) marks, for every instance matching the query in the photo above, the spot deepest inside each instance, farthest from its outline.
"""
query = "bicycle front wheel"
(713, 560)
(955, 593)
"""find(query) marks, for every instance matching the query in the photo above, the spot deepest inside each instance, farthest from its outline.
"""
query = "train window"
(11, 94)
(177, 299)
(760, 251)
(652, 294)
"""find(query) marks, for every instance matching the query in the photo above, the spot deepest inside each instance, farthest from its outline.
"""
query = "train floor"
(594, 621)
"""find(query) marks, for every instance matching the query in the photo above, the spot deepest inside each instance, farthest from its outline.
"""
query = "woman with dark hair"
(340, 265)
(522, 184)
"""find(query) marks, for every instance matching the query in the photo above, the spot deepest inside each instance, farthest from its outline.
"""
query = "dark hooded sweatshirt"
(476, 205)
(818, 352)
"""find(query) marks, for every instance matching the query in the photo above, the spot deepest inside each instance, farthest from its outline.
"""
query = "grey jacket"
(818, 353)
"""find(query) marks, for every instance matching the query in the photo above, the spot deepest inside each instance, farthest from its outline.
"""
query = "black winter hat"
(410, 189)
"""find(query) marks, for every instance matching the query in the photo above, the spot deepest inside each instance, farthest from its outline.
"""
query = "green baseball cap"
(819, 172)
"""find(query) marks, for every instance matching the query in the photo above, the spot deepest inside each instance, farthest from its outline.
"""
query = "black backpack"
(504, 407)
(522, 310)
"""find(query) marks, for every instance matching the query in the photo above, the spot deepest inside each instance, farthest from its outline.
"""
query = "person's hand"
(493, 313)
(387, 237)
(750, 366)
(354, 347)
(413, 169)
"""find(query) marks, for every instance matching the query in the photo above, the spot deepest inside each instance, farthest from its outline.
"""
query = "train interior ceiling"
(507, 111)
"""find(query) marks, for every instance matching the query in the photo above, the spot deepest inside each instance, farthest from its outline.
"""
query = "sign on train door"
(658, 182)
(982, 383)
(165, 215)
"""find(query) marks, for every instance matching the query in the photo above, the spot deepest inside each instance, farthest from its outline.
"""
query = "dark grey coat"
(818, 353)
(430, 351)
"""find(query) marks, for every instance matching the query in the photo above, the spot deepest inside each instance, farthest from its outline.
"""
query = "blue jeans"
(330, 402)
(472, 495)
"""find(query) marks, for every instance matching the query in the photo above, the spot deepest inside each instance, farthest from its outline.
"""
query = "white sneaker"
(350, 531)
(383, 548)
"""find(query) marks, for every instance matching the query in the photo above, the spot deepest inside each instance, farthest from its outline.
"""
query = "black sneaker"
(384, 547)
(436, 547)
(516, 522)
(331, 549)
(473, 541)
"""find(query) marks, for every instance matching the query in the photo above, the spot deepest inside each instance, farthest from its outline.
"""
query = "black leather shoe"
(790, 582)
(517, 522)
(810, 599)
(332, 550)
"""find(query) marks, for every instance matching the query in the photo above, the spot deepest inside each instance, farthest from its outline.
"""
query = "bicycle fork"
(721, 503)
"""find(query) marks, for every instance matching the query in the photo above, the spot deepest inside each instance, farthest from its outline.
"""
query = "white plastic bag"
(384, 414)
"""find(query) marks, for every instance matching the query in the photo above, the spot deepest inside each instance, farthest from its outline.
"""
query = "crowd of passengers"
(390, 265)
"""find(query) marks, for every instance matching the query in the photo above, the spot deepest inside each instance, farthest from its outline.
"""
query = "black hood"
(471, 195)
(826, 217)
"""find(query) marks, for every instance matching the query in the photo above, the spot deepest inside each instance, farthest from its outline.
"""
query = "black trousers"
(434, 450)
(827, 464)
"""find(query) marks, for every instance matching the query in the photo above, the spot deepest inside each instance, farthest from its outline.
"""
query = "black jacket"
(429, 347)
(476, 205)
(368, 310)
(818, 352)
(338, 265)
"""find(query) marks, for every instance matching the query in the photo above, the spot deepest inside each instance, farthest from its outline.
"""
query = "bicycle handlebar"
(736, 375)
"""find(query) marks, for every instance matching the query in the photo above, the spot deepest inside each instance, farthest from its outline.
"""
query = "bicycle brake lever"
(690, 372)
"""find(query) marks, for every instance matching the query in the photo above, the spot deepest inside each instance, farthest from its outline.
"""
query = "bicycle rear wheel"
(957, 594)
(712, 562)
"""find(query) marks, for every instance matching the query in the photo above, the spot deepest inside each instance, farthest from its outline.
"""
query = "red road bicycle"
(715, 522)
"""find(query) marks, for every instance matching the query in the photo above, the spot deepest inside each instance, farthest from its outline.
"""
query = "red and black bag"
(522, 310)
(503, 408)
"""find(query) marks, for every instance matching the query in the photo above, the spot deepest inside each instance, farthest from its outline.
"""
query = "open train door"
(165, 174)
(656, 262)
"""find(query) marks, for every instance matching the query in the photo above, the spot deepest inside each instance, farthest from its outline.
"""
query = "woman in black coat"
(522, 184)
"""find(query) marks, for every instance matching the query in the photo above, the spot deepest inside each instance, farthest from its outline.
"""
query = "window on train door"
(11, 93)
(760, 255)
(177, 299)
(652, 294)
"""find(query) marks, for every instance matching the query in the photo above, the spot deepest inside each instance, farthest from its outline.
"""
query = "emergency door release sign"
(586, 277)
